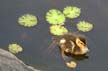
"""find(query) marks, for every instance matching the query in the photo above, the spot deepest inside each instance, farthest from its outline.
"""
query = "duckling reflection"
(72, 44)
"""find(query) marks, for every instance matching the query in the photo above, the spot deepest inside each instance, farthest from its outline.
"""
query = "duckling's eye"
(62, 41)
(79, 42)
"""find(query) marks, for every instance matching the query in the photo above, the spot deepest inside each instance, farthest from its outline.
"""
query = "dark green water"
(35, 41)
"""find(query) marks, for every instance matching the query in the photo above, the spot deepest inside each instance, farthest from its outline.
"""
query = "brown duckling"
(72, 43)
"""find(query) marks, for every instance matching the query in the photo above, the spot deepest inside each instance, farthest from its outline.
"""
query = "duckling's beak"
(84, 50)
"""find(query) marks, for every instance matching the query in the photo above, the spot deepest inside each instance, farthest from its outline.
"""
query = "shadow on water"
(78, 57)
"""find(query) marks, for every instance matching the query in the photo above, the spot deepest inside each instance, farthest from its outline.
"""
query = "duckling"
(72, 43)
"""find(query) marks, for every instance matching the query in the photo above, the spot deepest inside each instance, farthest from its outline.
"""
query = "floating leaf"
(84, 26)
(55, 17)
(15, 48)
(58, 30)
(27, 20)
(72, 12)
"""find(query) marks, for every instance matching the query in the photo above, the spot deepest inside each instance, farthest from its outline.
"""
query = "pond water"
(36, 40)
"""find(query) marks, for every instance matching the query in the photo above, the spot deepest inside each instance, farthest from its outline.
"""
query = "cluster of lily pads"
(57, 20)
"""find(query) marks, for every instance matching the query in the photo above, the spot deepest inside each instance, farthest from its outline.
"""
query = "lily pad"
(27, 20)
(58, 30)
(84, 26)
(55, 17)
(72, 12)
(15, 48)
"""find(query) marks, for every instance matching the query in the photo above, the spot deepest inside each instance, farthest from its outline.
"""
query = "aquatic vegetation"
(58, 30)
(72, 12)
(71, 64)
(27, 20)
(70, 44)
(15, 48)
(55, 17)
(84, 26)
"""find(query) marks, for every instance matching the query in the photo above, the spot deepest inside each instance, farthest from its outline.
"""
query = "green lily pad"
(27, 20)
(15, 48)
(58, 30)
(84, 26)
(55, 17)
(72, 12)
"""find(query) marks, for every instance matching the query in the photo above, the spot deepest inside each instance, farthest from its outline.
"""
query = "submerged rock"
(9, 62)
